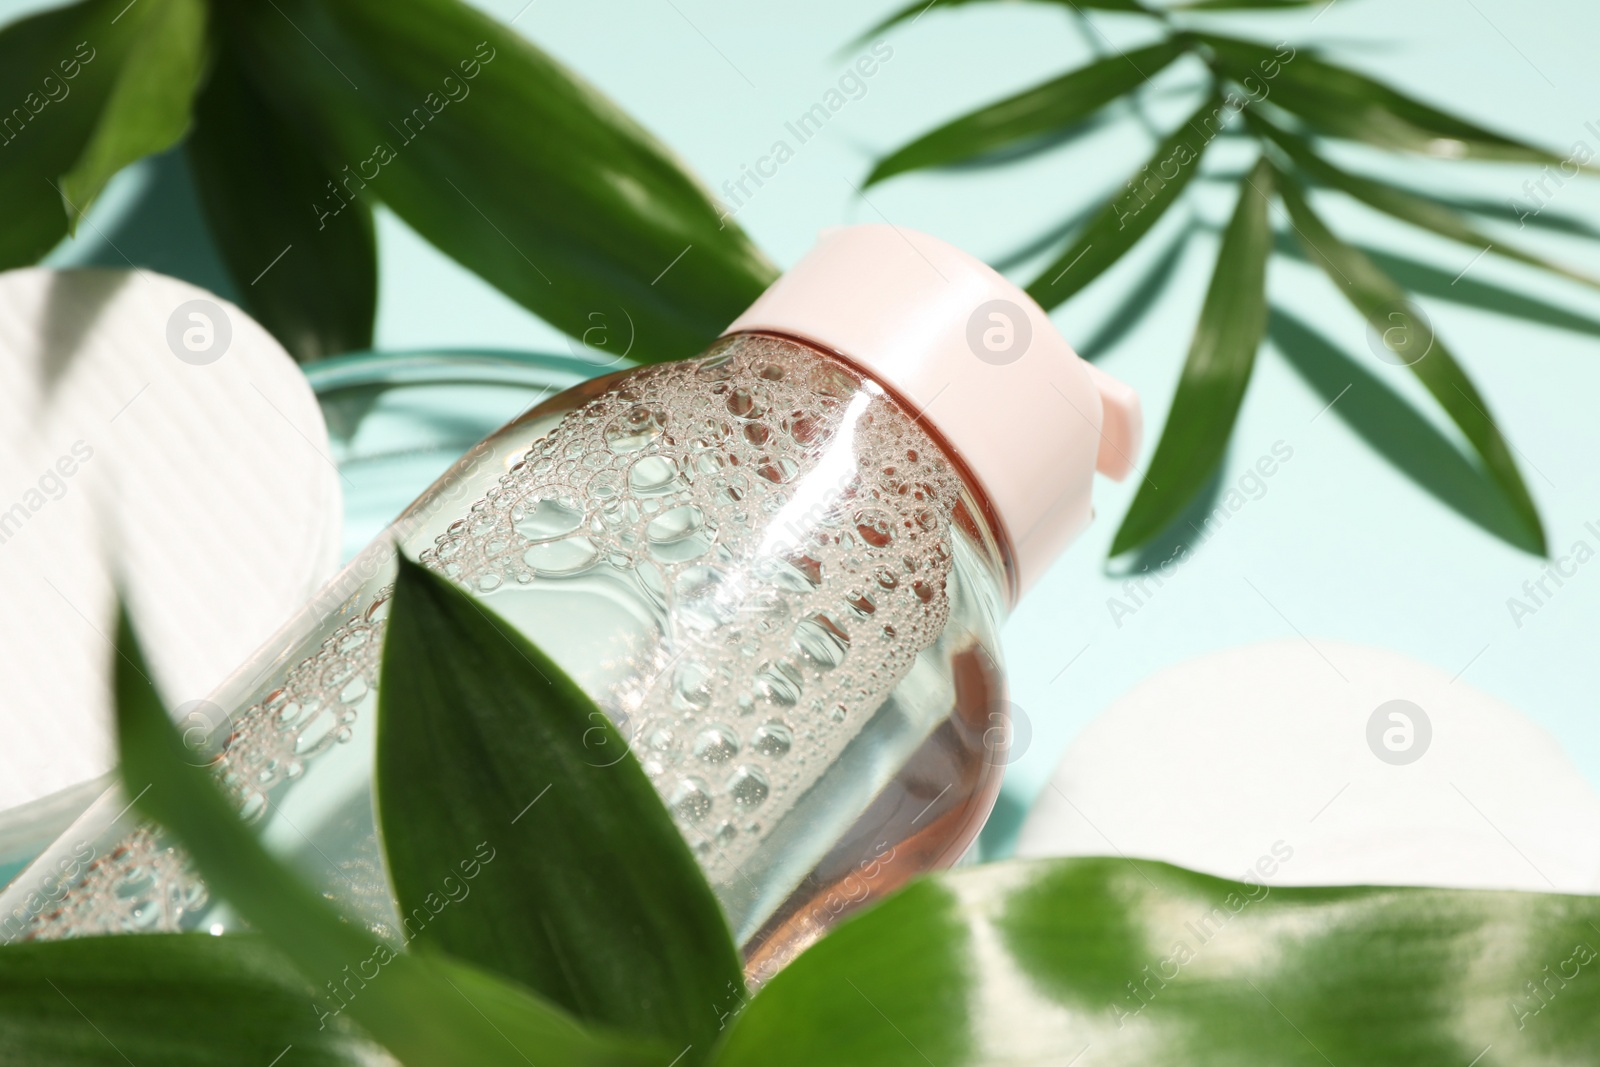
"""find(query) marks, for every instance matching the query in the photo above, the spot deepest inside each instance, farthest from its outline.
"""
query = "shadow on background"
(1045, 242)
(70, 312)
(1428, 280)
(163, 230)
(1139, 299)
(1425, 279)
(1386, 422)
(999, 835)
(1505, 212)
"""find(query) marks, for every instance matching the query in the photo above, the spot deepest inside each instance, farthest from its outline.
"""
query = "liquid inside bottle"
(779, 572)
(768, 575)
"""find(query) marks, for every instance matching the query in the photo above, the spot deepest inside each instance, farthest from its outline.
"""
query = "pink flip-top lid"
(979, 361)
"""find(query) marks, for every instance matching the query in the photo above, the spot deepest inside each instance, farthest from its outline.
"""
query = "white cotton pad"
(1291, 764)
(152, 431)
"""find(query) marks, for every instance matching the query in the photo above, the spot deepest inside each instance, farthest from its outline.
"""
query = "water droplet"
(780, 683)
(704, 601)
(550, 518)
(654, 474)
(800, 573)
(679, 534)
(778, 470)
(746, 403)
(748, 787)
(807, 430)
(821, 640)
(567, 556)
(690, 800)
(691, 684)
(772, 739)
(716, 744)
(860, 603)
(652, 582)
(634, 429)
(875, 528)
(716, 368)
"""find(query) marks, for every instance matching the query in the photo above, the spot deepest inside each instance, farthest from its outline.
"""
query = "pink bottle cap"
(979, 362)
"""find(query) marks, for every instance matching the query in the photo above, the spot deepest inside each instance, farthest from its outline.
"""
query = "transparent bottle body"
(759, 564)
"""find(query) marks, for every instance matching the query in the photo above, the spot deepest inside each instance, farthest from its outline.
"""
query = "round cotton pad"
(1339, 764)
(153, 434)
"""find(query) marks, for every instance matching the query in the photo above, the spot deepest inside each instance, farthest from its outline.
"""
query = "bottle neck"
(977, 516)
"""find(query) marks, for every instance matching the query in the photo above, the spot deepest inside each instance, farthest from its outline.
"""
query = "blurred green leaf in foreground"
(621, 960)
(300, 115)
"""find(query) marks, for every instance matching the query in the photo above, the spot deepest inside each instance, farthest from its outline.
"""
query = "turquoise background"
(1343, 544)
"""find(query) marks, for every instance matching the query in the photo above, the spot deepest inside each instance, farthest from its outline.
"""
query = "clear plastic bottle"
(779, 568)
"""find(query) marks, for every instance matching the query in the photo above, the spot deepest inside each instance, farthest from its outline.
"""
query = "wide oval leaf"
(309, 277)
(147, 108)
(1128, 963)
(57, 70)
(425, 1008)
(509, 163)
(892, 990)
(179, 1000)
(593, 898)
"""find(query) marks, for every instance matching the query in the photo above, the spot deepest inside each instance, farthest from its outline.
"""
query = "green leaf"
(56, 70)
(179, 1000)
(1232, 322)
(917, 8)
(1129, 214)
(1040, 110)
(886, 989)
(428, 1010)
(1404, 204)
(147, 110)
(1138, 300)
(1407, 332)
(1136, 962)
(509, 163)
(311, 280)
(593, 898)
(1346, 104)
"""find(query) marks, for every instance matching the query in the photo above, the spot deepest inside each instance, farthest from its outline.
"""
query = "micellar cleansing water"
(779, 568)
